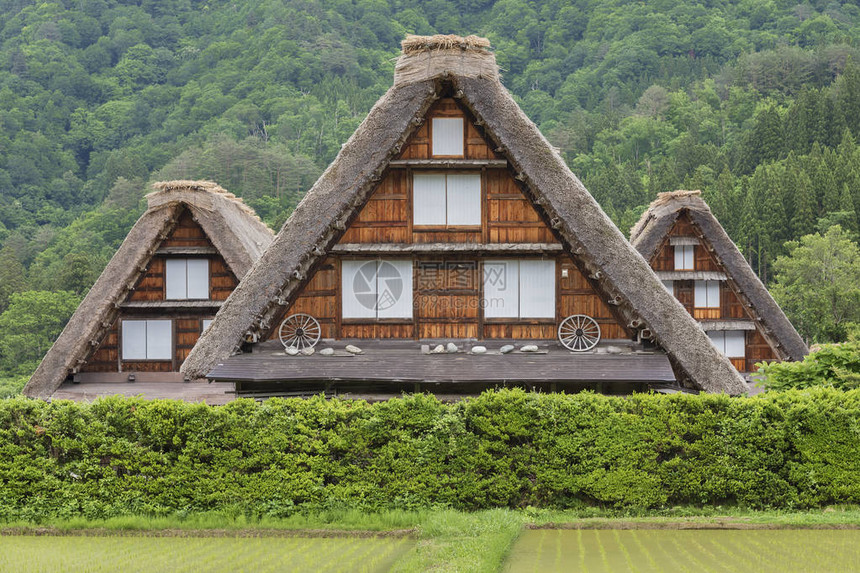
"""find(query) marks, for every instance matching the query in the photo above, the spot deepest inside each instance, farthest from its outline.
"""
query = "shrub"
(507, 448)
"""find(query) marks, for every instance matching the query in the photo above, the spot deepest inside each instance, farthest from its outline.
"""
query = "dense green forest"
(757, 102)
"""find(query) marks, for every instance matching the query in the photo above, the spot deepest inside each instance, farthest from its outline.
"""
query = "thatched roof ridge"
(591, 236)
(233, 227)
(651, 230)
(413, 44)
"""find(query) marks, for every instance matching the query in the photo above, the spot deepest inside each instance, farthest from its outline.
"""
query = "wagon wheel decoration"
(579, 332)
(299, 331)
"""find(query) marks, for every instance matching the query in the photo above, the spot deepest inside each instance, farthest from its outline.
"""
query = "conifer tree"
(803, 221)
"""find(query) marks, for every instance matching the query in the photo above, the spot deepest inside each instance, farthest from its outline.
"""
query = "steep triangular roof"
(651, 230)
(233, 227)
(429, 68)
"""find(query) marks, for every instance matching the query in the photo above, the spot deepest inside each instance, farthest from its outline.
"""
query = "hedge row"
(506, 448)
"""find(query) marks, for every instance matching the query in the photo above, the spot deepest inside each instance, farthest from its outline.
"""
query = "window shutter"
(394, 286)
(501, 289)
(159, 339)
(447, 136)
(701, 295)
(198, 278)
(134, 340)
(358, 288)
(713, 294)
(464, 199)
(537, 288)
(735, 343)
(428, 199)
(175, 279)
(684, 260)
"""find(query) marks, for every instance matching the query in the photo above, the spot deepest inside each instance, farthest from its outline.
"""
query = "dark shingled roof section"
(651, 229)
(590, 234)
(233, 227)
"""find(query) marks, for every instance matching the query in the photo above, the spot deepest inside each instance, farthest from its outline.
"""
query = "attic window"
(732, 343)
(147, 339)
(684, 258)
(519, 288)
(446, 199)
(448, 136)
(187, 279)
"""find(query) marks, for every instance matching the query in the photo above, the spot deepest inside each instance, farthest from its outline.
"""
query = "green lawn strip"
(452, 541)
(327, 523)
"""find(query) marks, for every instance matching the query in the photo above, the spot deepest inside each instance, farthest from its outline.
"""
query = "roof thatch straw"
(420, 79)
(651, 230)
(414, 44)
(233, 227)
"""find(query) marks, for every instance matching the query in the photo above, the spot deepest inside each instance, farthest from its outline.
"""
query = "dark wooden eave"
(402, 361)
(691, 275)
(446, 248)
(171, 304)
(447, 163)
(176, 251)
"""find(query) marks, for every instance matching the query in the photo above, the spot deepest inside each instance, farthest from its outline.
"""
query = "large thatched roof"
(465, 66)
(650, 231)
(233, 227)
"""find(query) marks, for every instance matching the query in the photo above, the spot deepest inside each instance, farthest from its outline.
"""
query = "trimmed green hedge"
(506, 448)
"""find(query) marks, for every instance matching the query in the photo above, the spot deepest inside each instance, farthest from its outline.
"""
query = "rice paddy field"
(649, 551)
(56, 554)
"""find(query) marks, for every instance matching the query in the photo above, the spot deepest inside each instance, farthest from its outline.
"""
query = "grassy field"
(50, 554)
(431, 540)
(665, 551)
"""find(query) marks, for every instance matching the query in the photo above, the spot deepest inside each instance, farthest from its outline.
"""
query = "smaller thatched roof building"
(238, 235)
(651, 234)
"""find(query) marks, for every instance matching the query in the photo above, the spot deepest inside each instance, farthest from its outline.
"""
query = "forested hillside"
(757, 102)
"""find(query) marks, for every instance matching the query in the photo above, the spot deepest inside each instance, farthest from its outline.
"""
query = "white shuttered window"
(707, 294)
(519, 288)
(537, 288)
(669, 286)
(732, 343)
(186, 279)
(429, 200)
(446, 199)
(147, 339)
(376, 289)
(448, 136)
(684, 260)
(501, 289)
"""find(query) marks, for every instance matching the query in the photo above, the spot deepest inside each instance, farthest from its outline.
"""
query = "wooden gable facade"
(686, 262)
(450, 262)
(182, 319)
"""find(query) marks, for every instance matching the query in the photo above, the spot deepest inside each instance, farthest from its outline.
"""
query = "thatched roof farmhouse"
(179, 262)
(446, 172)
(693, 255)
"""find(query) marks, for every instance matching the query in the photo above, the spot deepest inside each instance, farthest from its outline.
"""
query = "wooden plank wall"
(476, 146)
(447, 292)
(757, 350)
(447, 295)
(150, 287)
